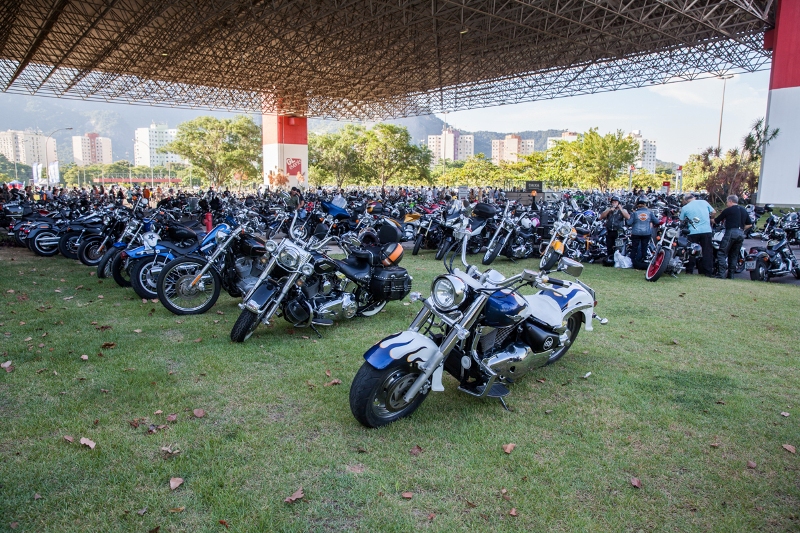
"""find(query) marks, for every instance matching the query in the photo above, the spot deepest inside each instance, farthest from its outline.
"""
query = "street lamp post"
(46, 158)
(722, 108)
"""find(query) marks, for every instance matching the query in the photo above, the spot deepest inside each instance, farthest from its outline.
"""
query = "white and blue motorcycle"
(477, 327)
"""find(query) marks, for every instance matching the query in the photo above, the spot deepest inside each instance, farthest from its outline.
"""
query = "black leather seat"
(582, 231)
(371, 255)
(354, 268)
(181, 250)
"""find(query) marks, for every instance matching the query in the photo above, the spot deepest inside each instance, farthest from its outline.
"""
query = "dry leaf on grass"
(87, 442)
(784, 413)
(137, 331)
(224, 523)
(636, 483)
(416, 450)
(69, 439)
(109, 345)
(159, 412)
(407, 495)
(751, 464)
(328, 373)
(177, 509)
(175, 482)
(141, 512)
(508, 448)
(789, 448)
(334, 382)
(157, 528)
(37, 496)
(431, 516)
(6, 364)
(356, 469)
(199, 413)
(297, 495)
(172, 417)
(84, 357)
(513, 511)
(198, 339)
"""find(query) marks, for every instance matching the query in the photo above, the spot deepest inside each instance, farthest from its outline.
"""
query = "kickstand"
(316, 330)
(502, 401)
(512, 260)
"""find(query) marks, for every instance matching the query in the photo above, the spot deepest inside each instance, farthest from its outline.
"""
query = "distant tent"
(15, 184)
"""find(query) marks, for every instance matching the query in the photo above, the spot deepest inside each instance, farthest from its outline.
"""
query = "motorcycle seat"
(354, 268)
(371, 255)
(582, 231)
(182, 250)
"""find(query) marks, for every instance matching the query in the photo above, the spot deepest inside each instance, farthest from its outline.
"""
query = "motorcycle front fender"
(409, 346)
(261, 296)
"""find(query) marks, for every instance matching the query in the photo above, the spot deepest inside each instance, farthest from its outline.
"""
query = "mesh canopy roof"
(369, 59)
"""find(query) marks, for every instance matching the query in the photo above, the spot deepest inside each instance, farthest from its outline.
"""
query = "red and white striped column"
(285, 148)
(780, 167)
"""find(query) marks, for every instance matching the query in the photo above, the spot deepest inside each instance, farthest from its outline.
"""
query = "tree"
(595, 160)
(220, 150)
(336, 156)
(733, 172)
(477, 171)
(389, 155)
(23, 172)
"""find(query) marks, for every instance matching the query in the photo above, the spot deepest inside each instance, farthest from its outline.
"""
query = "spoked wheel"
(658, 264)
(244, 327)
(144, 276)
(474, 245)
(492, 253)
(376, 396)
(367, 305)
(573, 328)
(444, 246)
(91, 251)
(181, 292)
(104, 266)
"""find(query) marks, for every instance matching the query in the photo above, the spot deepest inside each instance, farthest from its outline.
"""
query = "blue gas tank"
(504, 308)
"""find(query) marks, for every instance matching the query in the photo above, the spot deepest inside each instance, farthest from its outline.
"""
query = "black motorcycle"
(774, 260)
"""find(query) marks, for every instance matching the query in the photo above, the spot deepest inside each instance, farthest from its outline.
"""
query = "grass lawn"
(689, 380)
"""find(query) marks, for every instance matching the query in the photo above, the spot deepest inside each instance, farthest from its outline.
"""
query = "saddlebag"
(392, 283)
(484, 211)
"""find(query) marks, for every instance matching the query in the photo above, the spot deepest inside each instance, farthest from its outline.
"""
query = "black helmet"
(642, 200)
(615, 198)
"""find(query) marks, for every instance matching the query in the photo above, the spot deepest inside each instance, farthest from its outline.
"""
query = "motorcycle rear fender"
(407, 345)
(573, 299)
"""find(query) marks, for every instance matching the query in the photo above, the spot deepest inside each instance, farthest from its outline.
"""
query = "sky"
(683, 118)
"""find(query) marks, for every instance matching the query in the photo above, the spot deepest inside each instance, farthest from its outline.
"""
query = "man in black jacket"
(736, 222)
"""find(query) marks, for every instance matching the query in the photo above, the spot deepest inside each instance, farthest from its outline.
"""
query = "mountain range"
(118, 122)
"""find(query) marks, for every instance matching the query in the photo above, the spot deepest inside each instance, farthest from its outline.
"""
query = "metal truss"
(369, 59)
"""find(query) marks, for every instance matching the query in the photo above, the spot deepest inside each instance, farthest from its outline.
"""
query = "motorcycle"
(515, 237)
(429, 233)
(672, 253)
(774, 260)
(478, 328)
(563, 233)
(312, 289)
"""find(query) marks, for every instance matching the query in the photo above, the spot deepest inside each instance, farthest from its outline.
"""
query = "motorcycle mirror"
(528, 275)
(570, 266)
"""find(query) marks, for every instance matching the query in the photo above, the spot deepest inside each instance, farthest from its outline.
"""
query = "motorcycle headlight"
(288, 258)
(448, 292)
(564, 230)
(271, 246)
(670, 233)
(306, 269)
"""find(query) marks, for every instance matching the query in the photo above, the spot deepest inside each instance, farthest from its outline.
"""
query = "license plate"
(619, 243)
(750, 265)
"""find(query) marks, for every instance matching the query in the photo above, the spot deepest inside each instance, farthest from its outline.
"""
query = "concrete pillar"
(285, 148)
(780, 167)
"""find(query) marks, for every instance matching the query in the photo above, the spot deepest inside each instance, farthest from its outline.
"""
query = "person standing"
(615, 216)
(737, 221)
(642, 221)
(699, 232)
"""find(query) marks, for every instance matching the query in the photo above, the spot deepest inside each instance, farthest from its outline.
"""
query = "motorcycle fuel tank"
(504, 308)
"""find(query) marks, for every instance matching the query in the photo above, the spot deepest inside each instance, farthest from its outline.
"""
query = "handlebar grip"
(555, 282)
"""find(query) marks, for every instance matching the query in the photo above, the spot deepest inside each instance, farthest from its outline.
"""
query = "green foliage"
(221, 150)
(389, 156)
(595, 160)
(335, 157)
(476, 171)
(23, 172)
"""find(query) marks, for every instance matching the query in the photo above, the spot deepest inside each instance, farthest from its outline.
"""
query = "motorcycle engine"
(519, 250)
(246, 268)
(342, 305)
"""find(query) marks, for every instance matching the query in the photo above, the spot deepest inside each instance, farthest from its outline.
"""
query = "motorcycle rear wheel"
(376, 396)
(143, 280)
(176, 293)
(658, 265)
(573, 328)
(549, 260)
(36, 246)
(120, 271)
(245, 325)
(760, 273)
(104, 266)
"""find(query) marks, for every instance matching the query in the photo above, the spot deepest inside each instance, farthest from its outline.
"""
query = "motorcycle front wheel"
(444, 246)
(144, 276)
(760, 273)
(89, 252)
(417, 244)
(119, 271)
(68, 244)
(179, 296)
(104, 266)
(549, 260)
(245, 325)
(658, 264)
(37, 245)
(376, 396)
(492, 253)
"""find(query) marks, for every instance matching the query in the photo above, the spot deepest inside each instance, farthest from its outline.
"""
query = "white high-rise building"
(567, 136)
(27, 147)
(647, 152)
(451, 145)
(510, 148)
(90, 149)
(146, 143)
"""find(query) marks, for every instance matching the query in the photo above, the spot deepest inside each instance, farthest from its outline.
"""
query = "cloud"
(685, 93)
